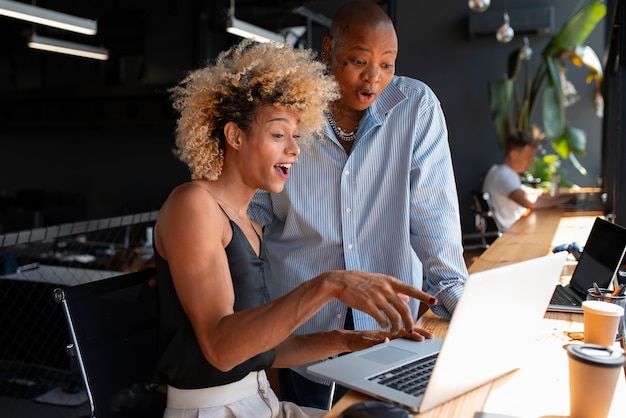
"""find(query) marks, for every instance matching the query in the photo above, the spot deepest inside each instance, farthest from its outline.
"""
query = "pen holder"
(605, 296)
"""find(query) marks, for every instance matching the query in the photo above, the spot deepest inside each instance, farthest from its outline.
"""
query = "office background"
(86, 139)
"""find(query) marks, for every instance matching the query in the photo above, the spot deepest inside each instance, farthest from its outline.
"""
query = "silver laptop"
(599, 262)
(499, 312)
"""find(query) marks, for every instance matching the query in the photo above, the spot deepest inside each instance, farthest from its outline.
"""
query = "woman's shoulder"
(187, 196)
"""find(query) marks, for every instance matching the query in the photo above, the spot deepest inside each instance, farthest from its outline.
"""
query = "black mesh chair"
(113, 326)
(487, 228)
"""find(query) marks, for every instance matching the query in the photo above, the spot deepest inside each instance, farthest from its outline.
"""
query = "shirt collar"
(390, 97)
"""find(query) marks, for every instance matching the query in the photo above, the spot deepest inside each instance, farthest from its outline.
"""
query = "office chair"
(487, 228)
(113, 326)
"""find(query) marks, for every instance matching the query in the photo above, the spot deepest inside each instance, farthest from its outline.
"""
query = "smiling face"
(269, 149)
(362, 59)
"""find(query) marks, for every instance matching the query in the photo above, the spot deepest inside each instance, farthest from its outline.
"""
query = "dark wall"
(101, 133)
(436, 48)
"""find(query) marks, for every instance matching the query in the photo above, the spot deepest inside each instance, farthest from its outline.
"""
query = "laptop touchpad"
(387, 355)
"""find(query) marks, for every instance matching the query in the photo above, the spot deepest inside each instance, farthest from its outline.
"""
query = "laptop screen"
(601, 257)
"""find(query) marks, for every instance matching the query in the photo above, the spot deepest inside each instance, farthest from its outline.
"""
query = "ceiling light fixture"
(479, 5)
(47, 17)
(505, 32)
(247, 30)
(526, 52)
(66, 47)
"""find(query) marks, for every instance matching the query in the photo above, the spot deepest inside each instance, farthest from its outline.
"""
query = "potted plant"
(514, 98)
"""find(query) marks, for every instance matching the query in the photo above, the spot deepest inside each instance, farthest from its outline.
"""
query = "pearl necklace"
(339, 133)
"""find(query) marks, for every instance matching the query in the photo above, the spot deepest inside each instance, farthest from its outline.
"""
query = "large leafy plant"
(514, 98)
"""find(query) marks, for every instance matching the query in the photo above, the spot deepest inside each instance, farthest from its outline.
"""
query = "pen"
(617, 291)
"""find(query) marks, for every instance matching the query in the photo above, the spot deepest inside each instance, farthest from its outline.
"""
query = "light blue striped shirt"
(386, 206)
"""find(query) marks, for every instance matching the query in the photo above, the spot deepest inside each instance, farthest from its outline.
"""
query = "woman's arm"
(191, 234)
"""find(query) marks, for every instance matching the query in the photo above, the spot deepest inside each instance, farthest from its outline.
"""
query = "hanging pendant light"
(478, 5)
(526, 52)
(505, 32)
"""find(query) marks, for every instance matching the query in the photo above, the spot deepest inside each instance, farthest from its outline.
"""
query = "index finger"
(414, 292)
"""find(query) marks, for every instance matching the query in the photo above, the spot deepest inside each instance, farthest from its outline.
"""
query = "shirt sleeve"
(435, 220)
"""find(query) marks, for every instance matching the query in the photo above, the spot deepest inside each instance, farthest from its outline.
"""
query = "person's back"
(500, 181)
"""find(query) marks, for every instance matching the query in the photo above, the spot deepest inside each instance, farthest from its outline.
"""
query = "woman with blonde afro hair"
(242, 78)
(220, 328)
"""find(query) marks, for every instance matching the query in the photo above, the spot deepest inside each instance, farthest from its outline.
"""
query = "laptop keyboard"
(565, 297)
(410, 378)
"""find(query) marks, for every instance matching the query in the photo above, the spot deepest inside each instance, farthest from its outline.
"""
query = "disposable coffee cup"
(593, 374)
(606, 296)
(601, 320)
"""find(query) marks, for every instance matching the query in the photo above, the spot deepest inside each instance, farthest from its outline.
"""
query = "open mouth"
(366, 95)
(283, 169)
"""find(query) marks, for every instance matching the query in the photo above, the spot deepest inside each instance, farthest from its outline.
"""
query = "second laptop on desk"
(599, 262)
(496, 318)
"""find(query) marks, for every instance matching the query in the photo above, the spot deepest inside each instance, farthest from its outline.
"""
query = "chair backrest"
(482, 209)
(113, 325)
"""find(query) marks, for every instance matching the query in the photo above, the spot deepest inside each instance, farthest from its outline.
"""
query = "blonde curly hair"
(243, 78)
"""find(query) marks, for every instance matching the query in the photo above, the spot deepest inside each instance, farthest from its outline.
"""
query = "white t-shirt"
(499, 182)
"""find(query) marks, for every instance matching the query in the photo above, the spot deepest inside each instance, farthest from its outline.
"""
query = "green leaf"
(544, 167)
(576, 140)
(577, 28)
(514, 64)
(500, 100)
(553, 113)
(561, 146)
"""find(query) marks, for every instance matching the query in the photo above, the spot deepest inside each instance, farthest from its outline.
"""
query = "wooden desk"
(540, 388)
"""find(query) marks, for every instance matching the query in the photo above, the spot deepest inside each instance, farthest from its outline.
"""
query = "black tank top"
(182, 363)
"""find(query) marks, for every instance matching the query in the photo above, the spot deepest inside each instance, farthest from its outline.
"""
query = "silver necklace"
(339, 133)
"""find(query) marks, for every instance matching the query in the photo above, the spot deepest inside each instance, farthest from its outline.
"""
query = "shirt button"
(347, 172)
(348, 210)
(339, 316)
(349, 246)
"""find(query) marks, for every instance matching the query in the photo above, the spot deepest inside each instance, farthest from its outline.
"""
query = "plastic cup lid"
(602, 308)
(596, 355)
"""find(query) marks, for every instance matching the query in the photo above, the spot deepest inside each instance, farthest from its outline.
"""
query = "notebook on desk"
(499, 312)
(599, 262)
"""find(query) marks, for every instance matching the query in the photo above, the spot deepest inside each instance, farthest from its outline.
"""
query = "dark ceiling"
(128, 26)
(151, 44)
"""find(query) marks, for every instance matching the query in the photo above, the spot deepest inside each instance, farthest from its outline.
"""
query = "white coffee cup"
(600, 322)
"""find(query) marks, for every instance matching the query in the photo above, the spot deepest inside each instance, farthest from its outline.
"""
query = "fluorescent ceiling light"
(70, 48)
(246, 30)
(47, 17)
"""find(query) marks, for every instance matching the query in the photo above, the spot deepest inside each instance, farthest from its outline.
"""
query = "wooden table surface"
(540, 388)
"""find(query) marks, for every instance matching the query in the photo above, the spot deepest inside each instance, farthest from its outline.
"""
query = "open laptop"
(499, 312)
(599, 262)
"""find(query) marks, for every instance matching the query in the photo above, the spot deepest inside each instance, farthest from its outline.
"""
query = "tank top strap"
(235, 223)
(225, 214)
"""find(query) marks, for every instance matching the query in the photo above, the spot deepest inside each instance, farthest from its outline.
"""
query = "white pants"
(250, 397)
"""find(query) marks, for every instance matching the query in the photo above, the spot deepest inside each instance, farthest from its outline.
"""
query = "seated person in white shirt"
(507, 196)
